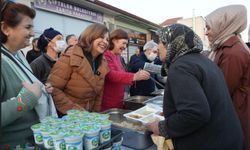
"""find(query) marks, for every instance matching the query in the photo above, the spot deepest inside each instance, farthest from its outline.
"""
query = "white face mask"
(151, 57)
(60, 46)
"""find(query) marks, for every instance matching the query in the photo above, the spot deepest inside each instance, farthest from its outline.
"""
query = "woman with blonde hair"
(78, 75)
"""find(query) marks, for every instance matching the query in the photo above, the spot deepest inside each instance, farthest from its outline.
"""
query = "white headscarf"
(226, 22)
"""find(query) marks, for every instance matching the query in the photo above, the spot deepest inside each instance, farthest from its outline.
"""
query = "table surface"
(153, 147)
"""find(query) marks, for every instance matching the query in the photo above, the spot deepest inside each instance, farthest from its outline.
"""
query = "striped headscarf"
(178, 40)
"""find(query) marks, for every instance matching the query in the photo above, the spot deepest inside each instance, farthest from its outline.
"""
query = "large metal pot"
(131, 137)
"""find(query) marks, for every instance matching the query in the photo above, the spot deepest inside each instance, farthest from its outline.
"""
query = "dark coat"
(233, 58)
(32, 55)
(41, 67)
(144, 87)
(199, 114)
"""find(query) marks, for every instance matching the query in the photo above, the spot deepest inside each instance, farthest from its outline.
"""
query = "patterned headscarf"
(178, 40)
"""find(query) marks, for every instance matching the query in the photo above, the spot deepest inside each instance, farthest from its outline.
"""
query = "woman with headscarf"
(232, 56)
(198, 111)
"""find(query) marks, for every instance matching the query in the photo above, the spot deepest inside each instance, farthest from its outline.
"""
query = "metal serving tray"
(135, 102)
(131, 137)
(158, 92)
(116, 115)
(157, 100)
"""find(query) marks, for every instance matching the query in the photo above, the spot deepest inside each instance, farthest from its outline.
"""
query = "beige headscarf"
(226, 22)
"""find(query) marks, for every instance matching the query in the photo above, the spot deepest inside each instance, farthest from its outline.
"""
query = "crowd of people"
(207, 98)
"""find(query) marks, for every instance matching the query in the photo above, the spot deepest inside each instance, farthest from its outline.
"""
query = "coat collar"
(79, 60)
(230, 42)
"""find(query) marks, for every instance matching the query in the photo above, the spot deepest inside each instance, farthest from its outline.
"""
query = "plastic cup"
(36, 128)
(58, 140)
(105, 132)
(73, 140)
(91, 137)
(73, 112)
(49, 119)
(47, 139)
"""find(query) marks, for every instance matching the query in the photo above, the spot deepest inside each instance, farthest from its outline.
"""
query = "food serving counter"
(135, 135)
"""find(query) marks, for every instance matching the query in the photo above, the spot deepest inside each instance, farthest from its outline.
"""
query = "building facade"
(73, 16)
(198, 24)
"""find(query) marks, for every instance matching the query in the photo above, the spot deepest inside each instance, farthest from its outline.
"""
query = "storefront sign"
(135, 37)
(69, 10)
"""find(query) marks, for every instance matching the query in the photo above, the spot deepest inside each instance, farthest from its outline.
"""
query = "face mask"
(60, 46)
(152, 57)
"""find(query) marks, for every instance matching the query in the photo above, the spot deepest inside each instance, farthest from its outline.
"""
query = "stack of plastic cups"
(36, 128)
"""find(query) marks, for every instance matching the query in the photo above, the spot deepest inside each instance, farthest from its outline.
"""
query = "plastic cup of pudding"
(105, 132)
(66, 124)
(47, 139)
(91, 137)
(104, 117)
(58, 139)
(93, 116)
(73, 112)
(49, 119)
(36, 128)
(73, 140)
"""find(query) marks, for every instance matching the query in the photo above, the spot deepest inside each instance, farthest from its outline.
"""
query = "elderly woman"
(23, 97)
(232, 55)
(199, 114)
(117, 78)
(148, 56)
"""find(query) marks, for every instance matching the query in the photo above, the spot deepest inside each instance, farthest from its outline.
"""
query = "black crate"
(116, 136)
